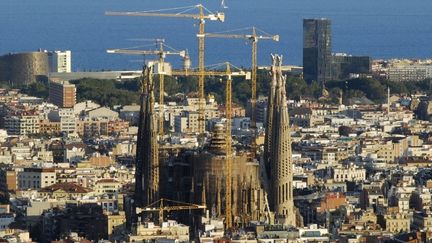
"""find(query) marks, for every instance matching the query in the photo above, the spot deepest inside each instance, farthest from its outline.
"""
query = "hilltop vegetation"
(111, 92)
(106, 92)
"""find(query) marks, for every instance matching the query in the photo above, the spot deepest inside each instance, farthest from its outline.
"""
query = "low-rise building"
(422, 220)
(65, 117)
(349, 173)
(8, 180)
(170, 230)
(49, 127)
(107, 186)
(64, 191)
(314, 234)
(35, 178)
(409, 73)
(5, 220)
(22, 124)
(396, 223)
(102, 113)
(332, 201)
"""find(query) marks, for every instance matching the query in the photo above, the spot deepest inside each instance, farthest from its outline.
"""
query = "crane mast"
(161, 89)
(228, 151)
(201, 60)
(253, 38)
(154, 145)
(253, 86)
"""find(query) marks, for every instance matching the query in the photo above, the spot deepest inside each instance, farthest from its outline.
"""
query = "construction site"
(224, 185)
(202, 131)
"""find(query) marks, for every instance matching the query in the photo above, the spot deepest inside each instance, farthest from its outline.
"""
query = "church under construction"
(147, 153)
(278, 149)
(261, 184)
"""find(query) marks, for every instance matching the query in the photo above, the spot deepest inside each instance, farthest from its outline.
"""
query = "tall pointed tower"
(280, 152)
(269, 122)
(147, 154)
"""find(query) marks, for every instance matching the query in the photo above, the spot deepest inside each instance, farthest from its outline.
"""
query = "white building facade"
(60, 61)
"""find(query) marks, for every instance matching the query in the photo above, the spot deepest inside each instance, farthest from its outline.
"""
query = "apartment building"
(22, 124)
(66, 118)
(349, 173)
(62, 93)
(35, 178)
(396, 223)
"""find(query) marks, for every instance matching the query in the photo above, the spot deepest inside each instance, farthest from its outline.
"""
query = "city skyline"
(338, 149)
(349, 30)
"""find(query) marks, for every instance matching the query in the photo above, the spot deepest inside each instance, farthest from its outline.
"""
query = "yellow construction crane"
(228, 150)
(228, 138)
(161, 53)
(202, 15)
(253, 38)
(161, 206)
(227, 72)
(213, 70)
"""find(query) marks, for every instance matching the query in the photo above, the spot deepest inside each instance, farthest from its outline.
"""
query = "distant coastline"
(359, 28)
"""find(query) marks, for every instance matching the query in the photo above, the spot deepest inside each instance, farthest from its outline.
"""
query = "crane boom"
(234, 36)
(161, 53)
(144, 52)
(201, 16)
(173, 208)
(161, 207)
(218, 16)
(209, 73)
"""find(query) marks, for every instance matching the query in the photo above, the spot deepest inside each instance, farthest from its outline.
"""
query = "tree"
(297, 88)
(107, 92)
(38, 89)
(371, 88)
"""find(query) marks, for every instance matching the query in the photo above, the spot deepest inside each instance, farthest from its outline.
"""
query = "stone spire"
(281, 178)
(147, 152)
(269, 120)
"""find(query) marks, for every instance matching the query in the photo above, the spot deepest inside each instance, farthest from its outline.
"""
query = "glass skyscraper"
(317, 50)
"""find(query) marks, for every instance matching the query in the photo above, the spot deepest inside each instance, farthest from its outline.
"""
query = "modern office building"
(346, 66)
(24, 68)
(60, 61)
(317, 50)
(62, 93)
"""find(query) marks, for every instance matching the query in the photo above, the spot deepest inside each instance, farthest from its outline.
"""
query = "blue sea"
(379, 28)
